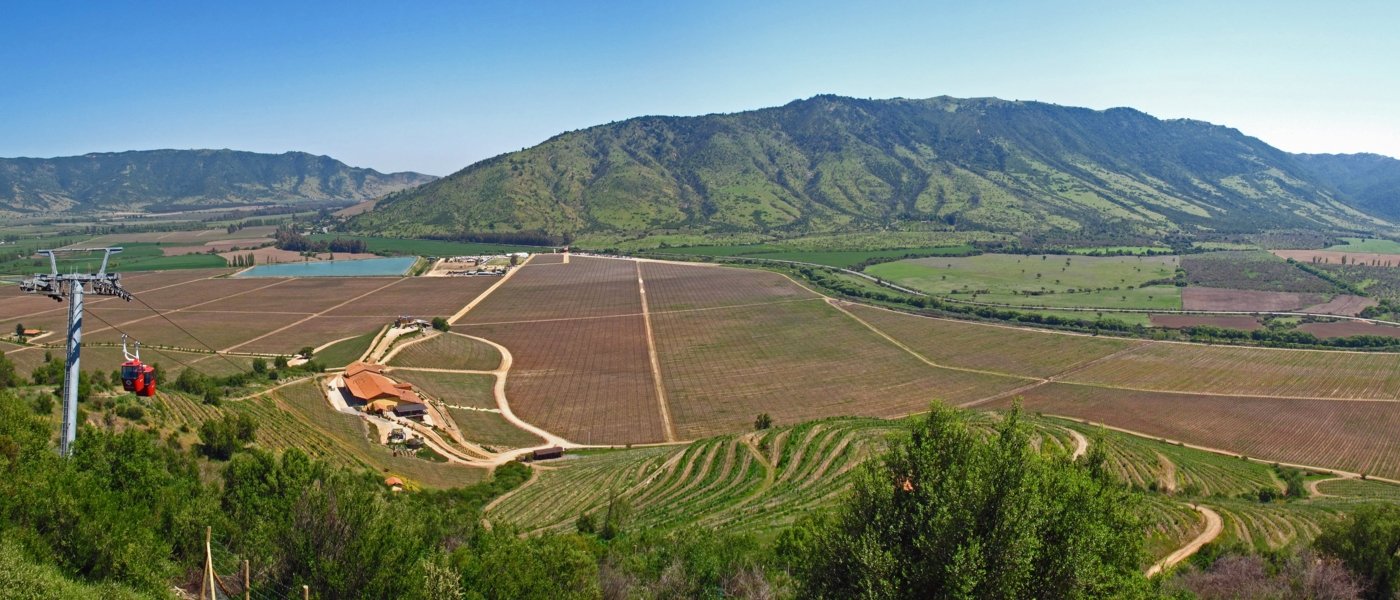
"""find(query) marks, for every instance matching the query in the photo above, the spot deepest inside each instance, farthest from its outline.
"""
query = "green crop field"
(140, 256)
(386, 245)
(1371, 245)
(345, 352)
(1042, 280)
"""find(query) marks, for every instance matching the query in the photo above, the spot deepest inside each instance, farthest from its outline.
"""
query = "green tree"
(952, 512)
(19, 330)
(762, 421)
(441, 324)
(280, 362)
(220, 438)
(306, 352)
(259, 365)
(1368, 542)
(8, 376)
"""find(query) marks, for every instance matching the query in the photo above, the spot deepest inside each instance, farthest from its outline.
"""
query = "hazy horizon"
(434, 89)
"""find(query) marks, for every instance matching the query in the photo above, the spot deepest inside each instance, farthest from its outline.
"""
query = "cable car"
(137, 376)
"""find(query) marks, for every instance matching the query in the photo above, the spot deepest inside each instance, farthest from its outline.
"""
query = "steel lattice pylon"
(73, 287)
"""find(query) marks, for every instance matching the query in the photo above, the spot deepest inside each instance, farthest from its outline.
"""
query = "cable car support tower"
(73, 287)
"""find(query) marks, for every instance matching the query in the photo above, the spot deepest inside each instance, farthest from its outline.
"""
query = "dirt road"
(1214, 525)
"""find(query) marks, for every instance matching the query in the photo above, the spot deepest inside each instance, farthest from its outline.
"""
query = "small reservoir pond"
(373, 267)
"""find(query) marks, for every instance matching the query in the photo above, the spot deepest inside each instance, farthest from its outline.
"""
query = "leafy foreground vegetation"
(950, 511)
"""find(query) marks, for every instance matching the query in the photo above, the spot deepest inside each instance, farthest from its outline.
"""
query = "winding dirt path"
(1081, 444)
(1214, 525)
(1314, 492)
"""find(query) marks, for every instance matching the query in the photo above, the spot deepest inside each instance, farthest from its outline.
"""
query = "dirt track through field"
(668, 425)
(1214, 525)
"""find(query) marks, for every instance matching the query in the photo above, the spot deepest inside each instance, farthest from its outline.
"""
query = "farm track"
(668, 426)
(1214, 525)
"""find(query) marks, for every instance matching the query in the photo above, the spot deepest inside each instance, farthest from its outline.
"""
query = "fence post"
(247, 589)
(305, 592)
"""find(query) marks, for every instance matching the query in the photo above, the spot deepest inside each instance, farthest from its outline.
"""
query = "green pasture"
(138, 256)
(1368, 245)
(1041, 280)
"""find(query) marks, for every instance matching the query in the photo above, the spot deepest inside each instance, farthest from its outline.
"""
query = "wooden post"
(305, 592)
(247, 589)
(207, 582)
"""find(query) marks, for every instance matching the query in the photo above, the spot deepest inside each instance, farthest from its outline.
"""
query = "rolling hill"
(832, 163)
(175, 179)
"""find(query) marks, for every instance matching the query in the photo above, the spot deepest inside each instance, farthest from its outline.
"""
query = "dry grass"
(448, 351)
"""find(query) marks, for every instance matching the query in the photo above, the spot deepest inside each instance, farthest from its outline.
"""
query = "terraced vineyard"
(1274, 525)
(1358, 488)
(1170, 525)
(753, 482)
(1169, 468)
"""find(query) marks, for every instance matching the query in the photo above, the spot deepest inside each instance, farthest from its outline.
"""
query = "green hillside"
(839, 164)
(157, 180)
(1370, 181)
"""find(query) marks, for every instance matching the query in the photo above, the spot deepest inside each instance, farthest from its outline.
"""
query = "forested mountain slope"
(173, 179)
(833, 163)
(1371, 182)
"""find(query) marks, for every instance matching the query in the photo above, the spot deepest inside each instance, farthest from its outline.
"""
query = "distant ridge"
(832, 163)
(182, 179)
(1370, 181)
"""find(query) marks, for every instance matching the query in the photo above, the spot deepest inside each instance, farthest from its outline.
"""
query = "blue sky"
(434, 87)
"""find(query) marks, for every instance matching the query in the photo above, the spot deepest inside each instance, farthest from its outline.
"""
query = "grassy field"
(345, 352)
(385, 245)
(1041, 280)
(134, 257)
(1368, 245)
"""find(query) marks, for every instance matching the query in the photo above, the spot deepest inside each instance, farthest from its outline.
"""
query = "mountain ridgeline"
(182, 179)
(832, 163)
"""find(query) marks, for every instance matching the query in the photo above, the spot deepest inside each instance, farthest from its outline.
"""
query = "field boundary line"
(637, 314)
(668, 427)
(1214, 526)
(314, 315)
(1110, 386)
(394, 351)
(835, 304)
(1335, 471)
(185, 308)
(483, 295)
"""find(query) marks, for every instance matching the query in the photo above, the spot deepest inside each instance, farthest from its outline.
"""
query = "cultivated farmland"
(586, 287)
(447, 351)
(1249, 371)
(1208, 298)
(585, 379)
(1042, 280)
(723, 367)
(683, 287)
(989, 347)
(1351, 435)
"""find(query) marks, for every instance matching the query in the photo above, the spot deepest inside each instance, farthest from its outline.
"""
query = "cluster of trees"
(950, 511)
(287, 238)
(220, 438)
(244, 260)
(1285, 337)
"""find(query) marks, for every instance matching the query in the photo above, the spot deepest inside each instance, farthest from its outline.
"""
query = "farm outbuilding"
(547, 453)
(411, 410)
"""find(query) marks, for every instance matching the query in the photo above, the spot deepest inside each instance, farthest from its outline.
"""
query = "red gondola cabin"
(137, 376)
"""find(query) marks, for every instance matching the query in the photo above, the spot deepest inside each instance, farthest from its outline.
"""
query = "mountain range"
(833, 163)
(157, 180)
